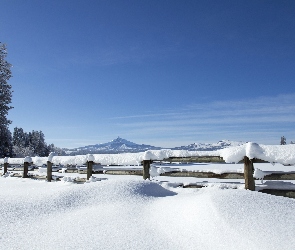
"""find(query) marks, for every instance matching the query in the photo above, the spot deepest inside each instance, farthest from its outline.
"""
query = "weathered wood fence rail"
(145, 172)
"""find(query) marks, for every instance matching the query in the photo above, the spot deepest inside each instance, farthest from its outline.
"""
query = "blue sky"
(165, 73)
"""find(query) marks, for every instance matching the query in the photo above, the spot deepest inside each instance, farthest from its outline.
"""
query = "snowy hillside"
(210, 146)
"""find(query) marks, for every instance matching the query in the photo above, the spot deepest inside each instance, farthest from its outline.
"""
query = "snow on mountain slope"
(210, 146)
(120, 145)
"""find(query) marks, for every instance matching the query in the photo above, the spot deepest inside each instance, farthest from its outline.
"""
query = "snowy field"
(126, 212)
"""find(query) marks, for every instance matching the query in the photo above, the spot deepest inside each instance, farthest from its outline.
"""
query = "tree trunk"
(146, 169)
(248, 174)
(49, 171)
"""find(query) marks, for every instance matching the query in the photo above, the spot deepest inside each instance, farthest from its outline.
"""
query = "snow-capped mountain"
(210, 146)
(120, 145)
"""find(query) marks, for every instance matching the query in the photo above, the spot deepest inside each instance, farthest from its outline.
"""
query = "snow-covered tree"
(20, 152)
(32, 144)
(37, 142)
(283, 140)
(57, 150)
(20, 138)
(5, 101)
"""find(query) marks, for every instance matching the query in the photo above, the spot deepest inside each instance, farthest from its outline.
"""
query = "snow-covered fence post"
(148, 156)
(146, 169)
(49, 166)
(27, 162)
(49, 171)
(90, 161)
(5, 166)
(248, 174)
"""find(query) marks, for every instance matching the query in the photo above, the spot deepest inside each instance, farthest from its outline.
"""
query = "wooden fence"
(145, 172)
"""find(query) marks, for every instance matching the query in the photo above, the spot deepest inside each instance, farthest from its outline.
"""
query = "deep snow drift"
(136, 214)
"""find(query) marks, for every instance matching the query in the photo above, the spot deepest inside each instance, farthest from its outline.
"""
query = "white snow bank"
(114, 215)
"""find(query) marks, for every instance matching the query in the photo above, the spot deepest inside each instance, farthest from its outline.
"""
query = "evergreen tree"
(36, 142)
(5, 101)
(20, 137)
(283, 140)
(58, 151)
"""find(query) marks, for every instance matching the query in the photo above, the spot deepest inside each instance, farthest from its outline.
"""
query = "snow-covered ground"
(126, 212)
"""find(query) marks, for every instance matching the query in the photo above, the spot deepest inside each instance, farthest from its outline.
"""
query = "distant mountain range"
(120, 145)
(209, 146)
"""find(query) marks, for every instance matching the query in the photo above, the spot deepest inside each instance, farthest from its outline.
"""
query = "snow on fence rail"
(284, 154)
(111, 159)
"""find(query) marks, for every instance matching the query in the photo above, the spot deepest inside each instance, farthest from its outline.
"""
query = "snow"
(259, 174)
(126, 212)
(129, 213)
(272, 153)
(28, 159)
(90, 157)
(50, 157)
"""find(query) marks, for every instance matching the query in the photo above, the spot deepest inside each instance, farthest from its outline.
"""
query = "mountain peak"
(118, 139)
(120, 145)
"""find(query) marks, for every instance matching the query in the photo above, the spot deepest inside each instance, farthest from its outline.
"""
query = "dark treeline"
(32, 144)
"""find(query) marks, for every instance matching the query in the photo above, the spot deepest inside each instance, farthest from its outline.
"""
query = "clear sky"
(165, 73)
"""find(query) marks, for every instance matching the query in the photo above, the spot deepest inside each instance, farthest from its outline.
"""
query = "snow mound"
(150, 189)
(114, 214)
(214, 218)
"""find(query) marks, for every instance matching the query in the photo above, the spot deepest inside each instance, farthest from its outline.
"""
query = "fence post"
(49, 166)
(89, 169)
(5, 166)
(49, 171)
(146, 169)
(248, 174)
(89, 164)
(27, 162)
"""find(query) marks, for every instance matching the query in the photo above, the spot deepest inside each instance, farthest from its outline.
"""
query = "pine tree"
(5, 101)
(283, 140)
(19, 137)
(32, 144)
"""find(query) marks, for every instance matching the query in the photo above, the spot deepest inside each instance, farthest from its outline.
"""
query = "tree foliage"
(32, 144)
(283, 140)
(5, 101)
